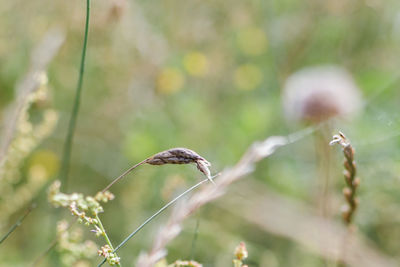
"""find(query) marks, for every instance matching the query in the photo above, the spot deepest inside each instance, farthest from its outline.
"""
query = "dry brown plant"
(177, 155)
(352, 182)
(272, 212)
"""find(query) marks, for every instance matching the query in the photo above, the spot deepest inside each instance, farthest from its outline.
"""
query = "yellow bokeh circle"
(170, 80)
(196, 64)
(247, 77)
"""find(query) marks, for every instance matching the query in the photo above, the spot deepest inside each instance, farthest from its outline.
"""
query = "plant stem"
(124, 174)
(156, 214)
(196, 233)
(18, 223)
(75, 109)
(105, 234)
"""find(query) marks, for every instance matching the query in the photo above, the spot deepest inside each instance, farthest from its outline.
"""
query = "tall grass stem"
(74, 114)
(17, 223)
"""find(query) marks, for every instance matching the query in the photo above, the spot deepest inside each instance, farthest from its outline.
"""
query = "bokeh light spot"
(170, 81)
(196, 64)
(252, 41)
(139, 145)
(43, 165)
(247, 77)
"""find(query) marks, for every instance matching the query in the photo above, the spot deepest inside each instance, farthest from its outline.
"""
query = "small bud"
(112, 259)
(356, 182)
(347, 193)
(241, 251)
(346, 164)
(345, 212)
(347, 176)
(104, 251)
(104, 197)
(345, 208)
(97, 231)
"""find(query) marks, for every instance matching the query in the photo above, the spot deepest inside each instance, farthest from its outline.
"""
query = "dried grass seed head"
(352, 182)
(177, 155)
(315, 94)
(181, 155)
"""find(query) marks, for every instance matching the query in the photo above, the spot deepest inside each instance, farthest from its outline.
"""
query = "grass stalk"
(195, 236)
(17, 223)
(74, 114)
(349, 191)
(124, 174)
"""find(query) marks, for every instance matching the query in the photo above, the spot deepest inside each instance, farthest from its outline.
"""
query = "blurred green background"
(206, 75)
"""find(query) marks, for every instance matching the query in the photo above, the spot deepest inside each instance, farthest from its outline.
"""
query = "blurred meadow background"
(209, 76)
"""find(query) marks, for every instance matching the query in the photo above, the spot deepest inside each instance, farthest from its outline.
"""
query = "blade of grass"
(196, 233)
(18, 223)
(72, 123)
(74, 114)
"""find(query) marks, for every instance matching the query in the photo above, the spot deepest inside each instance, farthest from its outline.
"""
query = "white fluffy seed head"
(315, 94)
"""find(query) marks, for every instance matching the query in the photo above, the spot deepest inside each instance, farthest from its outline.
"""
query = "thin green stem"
(105, 234)
(196, 233)
(156, 214)
(124, 174)
(75, 109)
(48, 249)
(18, 222)
(51, 246)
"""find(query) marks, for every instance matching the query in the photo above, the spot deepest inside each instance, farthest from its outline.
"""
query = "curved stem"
(123, 175)
(75, 109)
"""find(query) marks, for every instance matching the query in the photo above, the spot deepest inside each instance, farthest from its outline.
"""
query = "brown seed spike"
(177, 155)
(181, 155)
(350, 176)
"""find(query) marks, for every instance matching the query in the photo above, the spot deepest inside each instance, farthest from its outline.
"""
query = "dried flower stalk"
(297, 221)
(20, 135)
(352, 181)
(177, 155)
(28, 87)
